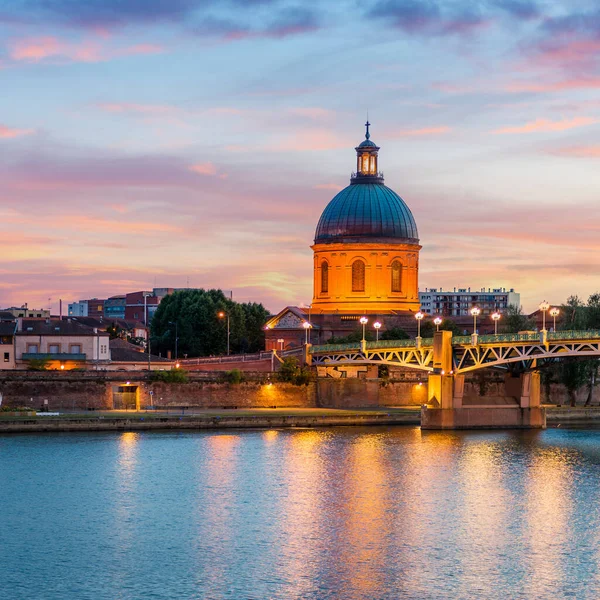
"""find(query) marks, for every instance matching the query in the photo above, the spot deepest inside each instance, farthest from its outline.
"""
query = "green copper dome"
(367, 209)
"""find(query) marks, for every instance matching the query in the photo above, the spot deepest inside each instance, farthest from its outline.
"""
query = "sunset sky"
(148, 143)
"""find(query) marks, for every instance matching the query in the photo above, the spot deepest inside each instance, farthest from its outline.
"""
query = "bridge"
(446, 358)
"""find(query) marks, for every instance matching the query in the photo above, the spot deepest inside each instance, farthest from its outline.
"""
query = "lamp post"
(307, 327)
(496, 316)
(364, 321)
(437, 321)
(377, 326)
(222, 315)
(475, 311)
(419, 317)
(554, 312)
(176, 336)
(544, 306)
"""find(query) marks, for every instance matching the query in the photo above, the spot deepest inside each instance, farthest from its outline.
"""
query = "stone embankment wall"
(96, 390)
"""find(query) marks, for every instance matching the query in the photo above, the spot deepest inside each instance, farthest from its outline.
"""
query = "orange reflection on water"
(220, 472)
(483, 511)
(365, 547)
(549, 506)
(302, 510)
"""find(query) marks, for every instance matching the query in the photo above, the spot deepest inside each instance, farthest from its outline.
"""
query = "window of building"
(358, 276)
(32, 348)
(396, 276)
(6, 356)
(54, 348)
(324, 277)
(75, 348)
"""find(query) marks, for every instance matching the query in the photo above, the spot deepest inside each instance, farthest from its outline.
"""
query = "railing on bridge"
(461, 340)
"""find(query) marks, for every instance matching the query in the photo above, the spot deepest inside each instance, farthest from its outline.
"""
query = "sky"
(146, 143)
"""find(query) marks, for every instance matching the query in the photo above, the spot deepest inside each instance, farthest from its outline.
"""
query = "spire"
(367, 125)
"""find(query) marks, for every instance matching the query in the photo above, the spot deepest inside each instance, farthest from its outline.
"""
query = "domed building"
(366, 250)
(366, 262)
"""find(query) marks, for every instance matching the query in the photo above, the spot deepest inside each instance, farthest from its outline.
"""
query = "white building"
(459, 301)
(78, 309)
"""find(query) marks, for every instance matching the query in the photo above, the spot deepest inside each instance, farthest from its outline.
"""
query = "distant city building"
(86, 308)
(114, 307)
(141, 306)
(27, 313)
(459, 301)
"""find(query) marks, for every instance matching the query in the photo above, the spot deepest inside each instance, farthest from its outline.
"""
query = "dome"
(367, 143)
(366, 210)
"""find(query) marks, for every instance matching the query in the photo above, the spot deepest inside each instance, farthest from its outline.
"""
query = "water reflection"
(347, 513)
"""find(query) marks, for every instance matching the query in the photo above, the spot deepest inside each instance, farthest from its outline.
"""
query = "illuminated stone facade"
(366, 250)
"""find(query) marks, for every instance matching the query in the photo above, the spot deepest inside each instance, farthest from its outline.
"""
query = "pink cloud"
(8, 132)
(206, 168)
(92, 49)
(314, 112)
(328, 186)
(422, 132)
(580, 151)
(544, 125)
(554, 86)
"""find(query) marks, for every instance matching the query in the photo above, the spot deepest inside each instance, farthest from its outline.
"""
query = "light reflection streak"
(217, 527)
(549, 506)
(301, 528)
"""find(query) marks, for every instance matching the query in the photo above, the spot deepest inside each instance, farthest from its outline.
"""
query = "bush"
(291, 372)
(234, 376)
(172, 376)
(37, 364)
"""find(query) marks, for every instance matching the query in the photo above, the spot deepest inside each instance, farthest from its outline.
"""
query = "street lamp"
(363, 321)
(437, 321)
(475, 311)
(377, 326)
(306, 326)
(222, 315)
(554, 313)
(176, 336)
(496, 316)
(419, 316)
(544, 306)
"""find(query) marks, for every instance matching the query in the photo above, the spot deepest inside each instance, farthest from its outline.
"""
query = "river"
(348, 513)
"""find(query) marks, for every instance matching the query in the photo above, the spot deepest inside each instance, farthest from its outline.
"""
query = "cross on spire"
(367, 125)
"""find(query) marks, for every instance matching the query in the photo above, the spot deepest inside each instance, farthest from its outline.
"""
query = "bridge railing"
(462, 340)
(334, 347)
(574, 335)
(391, 344)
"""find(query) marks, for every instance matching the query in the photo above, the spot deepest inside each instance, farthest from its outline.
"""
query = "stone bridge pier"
(445, 408)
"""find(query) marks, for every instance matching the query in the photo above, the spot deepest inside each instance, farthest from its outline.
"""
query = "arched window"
(396, 276)
(358, 276)
(324, 277)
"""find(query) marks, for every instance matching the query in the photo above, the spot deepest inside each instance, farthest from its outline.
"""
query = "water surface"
(315, 514)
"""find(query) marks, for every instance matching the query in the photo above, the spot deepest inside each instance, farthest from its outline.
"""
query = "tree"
(394, 333)
(200, 330)
(428, 328)
(514, 320)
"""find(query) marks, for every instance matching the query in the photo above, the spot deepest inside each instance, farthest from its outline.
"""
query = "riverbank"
(185, 418)
(207, 419)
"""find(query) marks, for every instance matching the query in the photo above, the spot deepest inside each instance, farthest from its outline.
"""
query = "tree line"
(199, 318)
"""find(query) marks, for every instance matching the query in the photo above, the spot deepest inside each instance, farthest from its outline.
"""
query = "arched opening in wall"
(358, 276)
(324, 278)
(396, 276)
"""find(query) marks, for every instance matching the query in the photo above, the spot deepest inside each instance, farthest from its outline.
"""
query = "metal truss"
(471, 358)
(413, 358)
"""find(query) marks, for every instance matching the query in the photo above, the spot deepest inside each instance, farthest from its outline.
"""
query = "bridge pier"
(445, 408)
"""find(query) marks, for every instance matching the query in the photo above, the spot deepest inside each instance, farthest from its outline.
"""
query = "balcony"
(62, 356)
